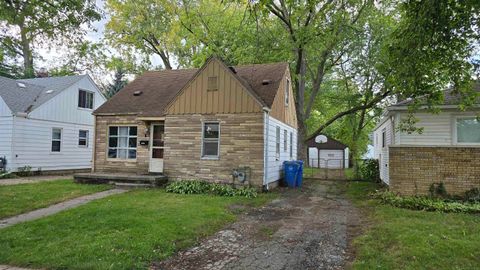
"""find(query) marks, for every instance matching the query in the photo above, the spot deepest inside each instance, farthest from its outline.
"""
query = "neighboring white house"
(448, 131)
(47, 123)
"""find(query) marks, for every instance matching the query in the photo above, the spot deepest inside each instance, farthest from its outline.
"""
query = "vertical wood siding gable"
(286, 114)
(231, 96)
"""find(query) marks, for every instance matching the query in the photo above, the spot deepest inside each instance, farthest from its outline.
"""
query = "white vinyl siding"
(6, 124)
(274, 167)
(64, 106)
(32, 146)
(437, 130)
(381, 148)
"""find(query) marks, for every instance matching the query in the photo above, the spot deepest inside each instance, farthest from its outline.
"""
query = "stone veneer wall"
(241, 144)
(101, 163)
(414, 169)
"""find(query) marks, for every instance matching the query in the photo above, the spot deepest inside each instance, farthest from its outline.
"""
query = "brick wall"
(414, 169)
(241, 144)
(102, 164)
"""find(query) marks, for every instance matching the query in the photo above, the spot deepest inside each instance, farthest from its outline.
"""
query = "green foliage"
(472, 195)
(201, 187)
(426, 203)
(369, 170)
(24, 171)
(438, 190)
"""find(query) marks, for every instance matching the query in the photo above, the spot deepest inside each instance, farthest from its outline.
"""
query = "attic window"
(21, 85)
(212, 83)
(137, 93)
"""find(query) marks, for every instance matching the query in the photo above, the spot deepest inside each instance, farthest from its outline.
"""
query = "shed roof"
(331, 144)
(159, 88)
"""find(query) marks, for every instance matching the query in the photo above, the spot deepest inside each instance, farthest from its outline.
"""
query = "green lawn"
(17, 199)
(125, 231)
(407, 239)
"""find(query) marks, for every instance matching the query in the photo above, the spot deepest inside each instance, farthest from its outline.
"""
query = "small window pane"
(112, 142)
(81, 98)
(468, 130)
(132, 142)
(56, 134)
(123, 131)
(132, 154)
(211, 131)
(157, 153)
(122, 153)
(210, 149)
(112, 153)
(113, 131)
(82, 133)
(82, 142)
(133, 131)
(122, 142)
(55, 146)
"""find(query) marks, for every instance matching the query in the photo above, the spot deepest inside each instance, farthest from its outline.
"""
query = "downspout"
(266, 126)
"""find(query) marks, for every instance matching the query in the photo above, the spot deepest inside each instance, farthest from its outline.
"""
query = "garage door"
(332, 159)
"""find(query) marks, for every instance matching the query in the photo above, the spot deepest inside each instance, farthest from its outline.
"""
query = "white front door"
(157, 135)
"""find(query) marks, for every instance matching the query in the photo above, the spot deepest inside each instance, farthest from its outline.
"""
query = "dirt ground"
(304, 229)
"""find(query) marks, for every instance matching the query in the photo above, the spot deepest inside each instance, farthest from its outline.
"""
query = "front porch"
(125, 180)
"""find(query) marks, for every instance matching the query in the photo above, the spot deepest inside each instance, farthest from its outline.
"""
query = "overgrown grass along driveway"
(408, 239)
(21, 198)
(126, 231)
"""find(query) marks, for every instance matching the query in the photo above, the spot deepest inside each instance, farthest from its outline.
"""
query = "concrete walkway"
(33, 179)
(53, 209)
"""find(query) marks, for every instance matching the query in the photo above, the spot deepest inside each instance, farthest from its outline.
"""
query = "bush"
(370, 170)
(426, 203)
(472, 195)
(201, 187)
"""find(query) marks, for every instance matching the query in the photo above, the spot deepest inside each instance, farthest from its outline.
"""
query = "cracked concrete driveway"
(303, 229)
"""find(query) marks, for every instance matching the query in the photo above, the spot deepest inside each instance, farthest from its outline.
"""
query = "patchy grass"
(21, 198)
(125, 231)
(409, 239)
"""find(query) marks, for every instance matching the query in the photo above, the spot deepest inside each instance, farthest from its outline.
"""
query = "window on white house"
(384, 138)
(122, 142)
(468, 130)
(287, 92)
(85, 99)
(211, 140)
(277, 144)
(291, 145)
(56, 139)
(83, 138)
(285, 140)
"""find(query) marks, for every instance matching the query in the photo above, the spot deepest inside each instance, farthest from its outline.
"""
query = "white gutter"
(266, 123)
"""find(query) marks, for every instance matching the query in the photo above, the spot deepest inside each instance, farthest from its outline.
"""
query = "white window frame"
(455, 131)
(56, 140)
(287, 92)
(277, 143)
(384, 138)
(210, 157)
(122, 148)
(87, 133)
(86, 99)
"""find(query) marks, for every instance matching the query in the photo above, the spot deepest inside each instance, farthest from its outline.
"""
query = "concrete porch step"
(150, 180)
(121, 185)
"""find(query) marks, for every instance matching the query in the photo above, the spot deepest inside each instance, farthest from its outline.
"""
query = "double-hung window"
(285, 140)
(468, 130)
(85, 99)
(211, 140)
(277, 144)
(122, 142)
(384, 138)
(56, 139)
(83, 138)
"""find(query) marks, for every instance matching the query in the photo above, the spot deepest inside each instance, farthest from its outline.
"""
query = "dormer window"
(212, 83)
(287, 92)
(85, 99)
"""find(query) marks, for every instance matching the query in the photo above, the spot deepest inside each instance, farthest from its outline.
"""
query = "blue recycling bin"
(290, 171)
(299, 178)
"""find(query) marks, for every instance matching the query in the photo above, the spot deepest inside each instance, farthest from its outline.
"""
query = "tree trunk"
(28, 71)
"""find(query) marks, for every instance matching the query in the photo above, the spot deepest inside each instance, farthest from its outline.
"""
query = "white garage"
(325, 152)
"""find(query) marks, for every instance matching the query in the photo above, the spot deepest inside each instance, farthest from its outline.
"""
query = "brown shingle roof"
(160, 87)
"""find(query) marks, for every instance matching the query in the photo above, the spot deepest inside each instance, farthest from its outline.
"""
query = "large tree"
(28, 23)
